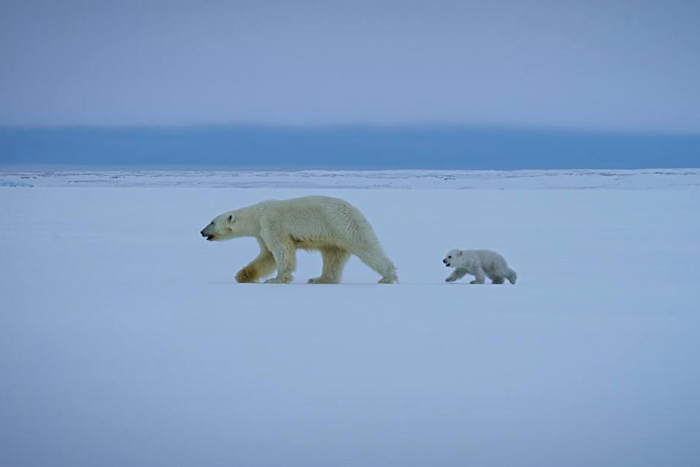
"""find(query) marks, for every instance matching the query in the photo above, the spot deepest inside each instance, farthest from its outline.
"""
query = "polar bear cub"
(479, 263)
(329, 225)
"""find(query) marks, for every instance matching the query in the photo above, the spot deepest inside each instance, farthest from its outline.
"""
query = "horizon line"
(367, 126)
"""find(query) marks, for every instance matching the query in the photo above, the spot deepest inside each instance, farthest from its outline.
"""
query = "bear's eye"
(449, 257)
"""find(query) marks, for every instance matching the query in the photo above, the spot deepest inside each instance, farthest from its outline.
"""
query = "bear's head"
(452, 258)
(222, 227)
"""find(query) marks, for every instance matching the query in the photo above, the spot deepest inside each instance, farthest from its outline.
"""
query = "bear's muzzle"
(207, 233)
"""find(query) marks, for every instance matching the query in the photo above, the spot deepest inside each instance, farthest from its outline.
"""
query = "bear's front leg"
(246, 275)
(284, 279)
(284, 255)
(456, 274)
(261, 266)
(256, 269)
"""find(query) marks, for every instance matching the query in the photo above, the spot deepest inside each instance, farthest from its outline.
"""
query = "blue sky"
(381, 84)
(604, 65)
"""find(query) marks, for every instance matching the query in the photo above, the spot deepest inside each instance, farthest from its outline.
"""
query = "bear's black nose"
(203, 234)
(444, 261)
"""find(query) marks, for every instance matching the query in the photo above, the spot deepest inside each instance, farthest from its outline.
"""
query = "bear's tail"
(512, 276)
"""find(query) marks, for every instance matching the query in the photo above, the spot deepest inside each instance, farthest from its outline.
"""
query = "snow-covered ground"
(124, 340)
(401, 179)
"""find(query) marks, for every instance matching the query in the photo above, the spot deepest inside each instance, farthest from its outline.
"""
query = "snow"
(398, 179)
(125, 341)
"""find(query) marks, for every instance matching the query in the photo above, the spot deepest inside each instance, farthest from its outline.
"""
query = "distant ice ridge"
(13, 184)
(639, 179)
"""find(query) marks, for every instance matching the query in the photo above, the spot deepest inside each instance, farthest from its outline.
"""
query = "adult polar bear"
(330, 225)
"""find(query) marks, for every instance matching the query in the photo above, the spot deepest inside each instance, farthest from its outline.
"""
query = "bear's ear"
(460, 253)
(230, 218)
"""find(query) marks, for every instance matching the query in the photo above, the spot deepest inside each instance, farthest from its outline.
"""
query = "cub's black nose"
(203, 234)
(444, 261)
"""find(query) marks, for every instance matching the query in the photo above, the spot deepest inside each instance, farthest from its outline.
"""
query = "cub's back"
(490, 258)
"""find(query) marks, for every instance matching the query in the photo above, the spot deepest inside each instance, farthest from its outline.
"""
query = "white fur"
(479, 263)
(329, 225)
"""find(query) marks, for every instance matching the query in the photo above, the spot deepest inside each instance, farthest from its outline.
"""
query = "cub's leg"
(334, 260)
(480, 276)
(456, 274)
(496, 279)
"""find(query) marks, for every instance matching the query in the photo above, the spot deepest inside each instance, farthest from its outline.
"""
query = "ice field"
(637, 179)
(125, 341)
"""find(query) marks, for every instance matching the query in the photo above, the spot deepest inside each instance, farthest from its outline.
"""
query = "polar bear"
(479, 263)
(330, 225)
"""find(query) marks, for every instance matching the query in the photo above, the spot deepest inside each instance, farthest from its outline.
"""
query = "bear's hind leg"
(377, 260)
(334, 260)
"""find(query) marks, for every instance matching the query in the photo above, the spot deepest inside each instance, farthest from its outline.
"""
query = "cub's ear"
(460, 253)
(230, 218)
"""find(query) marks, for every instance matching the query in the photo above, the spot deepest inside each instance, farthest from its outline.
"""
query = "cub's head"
(222, 227)
(452, 258)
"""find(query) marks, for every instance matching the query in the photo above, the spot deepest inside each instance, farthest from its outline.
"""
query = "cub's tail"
(512, 276)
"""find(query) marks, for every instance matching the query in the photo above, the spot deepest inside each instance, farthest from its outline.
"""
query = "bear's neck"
(247, 222)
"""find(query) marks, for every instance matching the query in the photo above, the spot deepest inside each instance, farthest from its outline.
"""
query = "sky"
(584, 65)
